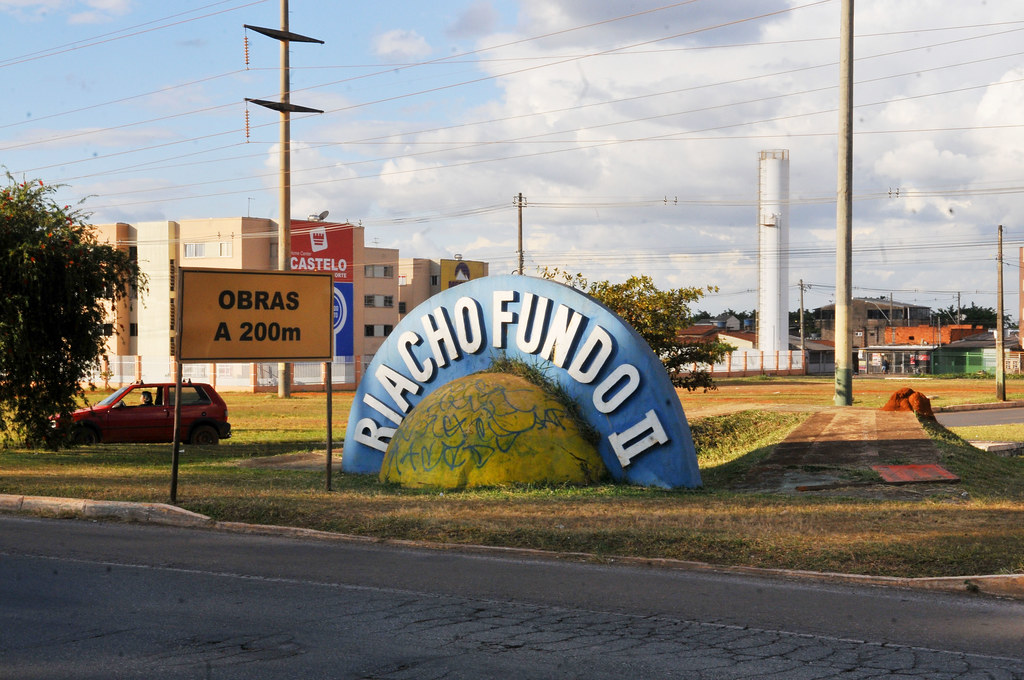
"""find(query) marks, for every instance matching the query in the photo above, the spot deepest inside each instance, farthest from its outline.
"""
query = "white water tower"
(773, 251)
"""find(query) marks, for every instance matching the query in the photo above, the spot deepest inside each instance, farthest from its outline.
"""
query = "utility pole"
(892, 333)
(519, 201)
(286, 108)
(1000, 359)
(844, 214)
(802, 348)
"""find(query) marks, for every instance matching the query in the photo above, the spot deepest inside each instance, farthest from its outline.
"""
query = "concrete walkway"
(834, 449)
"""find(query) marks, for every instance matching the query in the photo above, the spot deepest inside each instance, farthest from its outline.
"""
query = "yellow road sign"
(236, 315)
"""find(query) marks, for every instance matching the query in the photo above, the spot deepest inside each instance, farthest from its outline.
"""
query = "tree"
(657, 315)
(974, 315)
(810, 323)
(55, 279)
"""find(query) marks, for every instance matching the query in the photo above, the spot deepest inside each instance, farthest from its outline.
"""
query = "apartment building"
(420, 278)
(141, 329)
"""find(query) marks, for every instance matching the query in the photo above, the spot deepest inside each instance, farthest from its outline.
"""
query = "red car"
(144, 412)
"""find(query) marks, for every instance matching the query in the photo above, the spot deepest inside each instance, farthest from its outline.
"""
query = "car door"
(155, 421)
(194, 406)
(134, 420)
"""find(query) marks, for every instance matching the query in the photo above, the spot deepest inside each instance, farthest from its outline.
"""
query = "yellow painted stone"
(489, 429)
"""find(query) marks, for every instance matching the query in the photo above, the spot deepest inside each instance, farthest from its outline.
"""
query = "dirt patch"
(907, 399)
(314, 460)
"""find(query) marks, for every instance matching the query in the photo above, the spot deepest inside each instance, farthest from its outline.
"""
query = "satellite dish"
(322, 216)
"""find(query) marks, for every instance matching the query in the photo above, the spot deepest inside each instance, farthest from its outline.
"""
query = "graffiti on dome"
(490, 429)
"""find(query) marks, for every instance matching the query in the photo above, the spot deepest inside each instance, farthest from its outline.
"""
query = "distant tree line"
(973, 315)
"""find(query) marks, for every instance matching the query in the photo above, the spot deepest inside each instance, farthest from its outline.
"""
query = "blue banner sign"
(343, 335)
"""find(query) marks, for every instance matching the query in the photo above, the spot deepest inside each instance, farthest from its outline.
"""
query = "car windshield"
(115, 396)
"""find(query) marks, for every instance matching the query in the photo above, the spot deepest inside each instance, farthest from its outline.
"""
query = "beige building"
(420, 279)
(376, 296)
(141, 328)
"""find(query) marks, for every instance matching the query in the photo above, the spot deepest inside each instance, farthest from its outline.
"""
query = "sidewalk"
(836, 449)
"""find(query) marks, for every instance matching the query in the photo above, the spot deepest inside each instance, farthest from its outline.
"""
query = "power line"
(123, 33)
(441, 59)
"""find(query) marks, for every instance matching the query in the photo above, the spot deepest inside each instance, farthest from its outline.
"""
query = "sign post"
(241, 315)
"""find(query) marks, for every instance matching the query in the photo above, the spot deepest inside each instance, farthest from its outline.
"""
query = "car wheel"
(84, 436)
(204, 434)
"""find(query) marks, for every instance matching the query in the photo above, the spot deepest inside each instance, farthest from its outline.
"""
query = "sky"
(632, 130)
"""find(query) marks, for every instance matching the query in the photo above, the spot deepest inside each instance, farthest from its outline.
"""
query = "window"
(219, 249)
(435, 279)
(401, 307)
(377, 330)
(379, 271)
(190, 394)
(403, 280)
(133, 330)
(378, 301)
(108, 329)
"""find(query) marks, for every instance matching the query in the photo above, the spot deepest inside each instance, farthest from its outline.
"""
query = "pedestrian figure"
(885, 364)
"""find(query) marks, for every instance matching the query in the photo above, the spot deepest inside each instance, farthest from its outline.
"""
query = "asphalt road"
(990, 416)
(83, 599)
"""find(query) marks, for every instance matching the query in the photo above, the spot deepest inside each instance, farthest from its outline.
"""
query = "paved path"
(839, 446)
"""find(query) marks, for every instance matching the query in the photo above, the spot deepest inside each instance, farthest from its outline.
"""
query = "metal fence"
(122, 370)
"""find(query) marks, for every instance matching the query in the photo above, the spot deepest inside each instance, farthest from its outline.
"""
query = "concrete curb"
(1000, 585)
(151, 513)
(978, 407)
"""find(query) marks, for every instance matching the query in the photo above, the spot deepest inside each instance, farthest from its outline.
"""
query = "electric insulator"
(245, 41)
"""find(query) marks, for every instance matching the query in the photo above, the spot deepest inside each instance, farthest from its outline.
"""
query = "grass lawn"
(977, 530)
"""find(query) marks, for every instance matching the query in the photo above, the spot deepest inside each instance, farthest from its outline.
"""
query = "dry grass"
(949, 535)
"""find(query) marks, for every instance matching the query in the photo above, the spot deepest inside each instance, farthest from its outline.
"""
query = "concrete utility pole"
(286, 108)
(802, 348)
(890, 320)
(519, 201)
(1000, 358)
(844, 214)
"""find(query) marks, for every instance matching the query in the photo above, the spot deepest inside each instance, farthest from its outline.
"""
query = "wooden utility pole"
(1000, 358)
(844, 214)
(284, 197)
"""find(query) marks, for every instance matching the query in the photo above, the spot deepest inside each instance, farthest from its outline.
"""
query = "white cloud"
(478, 19)
(597, 122)
(400, 45)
